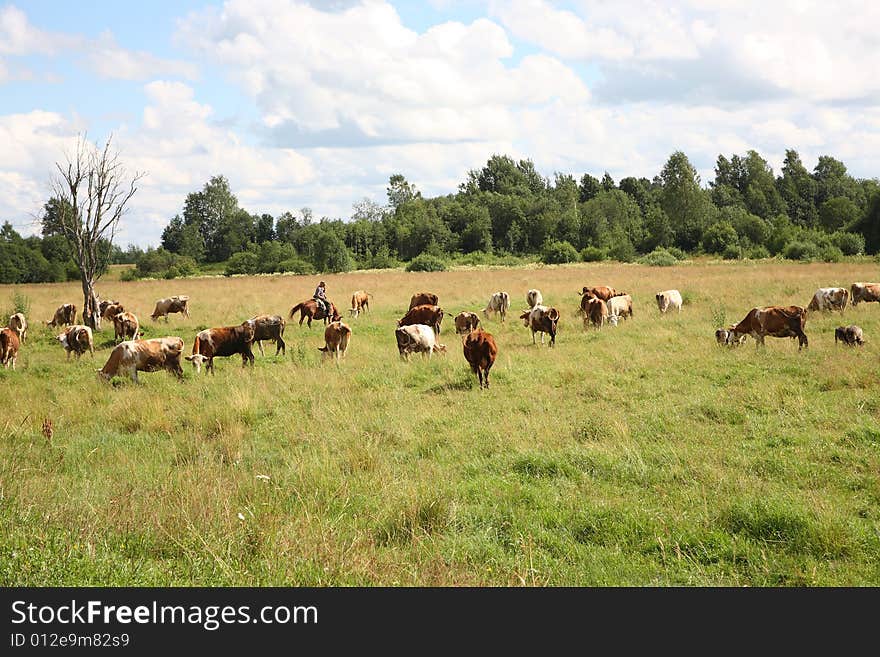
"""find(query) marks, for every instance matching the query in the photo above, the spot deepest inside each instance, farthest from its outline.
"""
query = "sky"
(316, 104)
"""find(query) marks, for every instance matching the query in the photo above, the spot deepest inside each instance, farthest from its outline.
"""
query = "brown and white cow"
(602, 291)
(866, 292)
(18, 323)
(480, 352)
(126, 326)
(77, 339)
(65, 315)
(534, 298)
(596, 312)
(9, 346)
(337, 336)
(620, 306)
(724, 336)
(465, 322)
(109, 309)
(542, 319)
(133, 356)
(829, 298)
(425, 314)
(424, 299)
(360, 302)
(175, 304)
(269, 327)
(499, 303)
(417, 338)
(223, 341)
(851, 335)
(775, 321)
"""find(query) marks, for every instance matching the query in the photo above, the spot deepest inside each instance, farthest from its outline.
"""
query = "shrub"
(426, 262)
(128, 275)
(677, 253)
(830, 253)
(593, 254)
(720, 237)
(659, 257)
(757, 253)
(849, 243)
(799, 250)
(296, 266)
(243, 262)
(558, 252)
(732, 252)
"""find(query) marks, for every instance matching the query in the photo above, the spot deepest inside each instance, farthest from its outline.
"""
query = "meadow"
(641, 455)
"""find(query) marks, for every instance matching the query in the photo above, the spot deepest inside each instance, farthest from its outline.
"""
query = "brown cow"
(602, 291)
(430, 315)
(125, 326)
(9, 345)
(109, 309)
(465, 322)
(133, 356)
(866, 292)
(175, 304)
(480, 351)
(360, 302)
(269, 327)
(224, 341)
(77, 339)
(596, 312)
(423, 299)
(850, 335)
(19, 324)
(542, 319)
(775, 321)
(65, 315)
(337, 335)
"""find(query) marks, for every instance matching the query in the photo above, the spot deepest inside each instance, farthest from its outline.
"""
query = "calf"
(417, 338)
(425, 314)
(465, 322)
(775, 321)
(360, 302)
(480, 351)
(225, 341)
(534, 298)
(668, 300)
(337, 335)
(725, 336)
(77, 339)
(133, 356)
(424, 299)
(621, 306)
(175, 304)
(596, 312)
(19, 324)
(9, 345)
(125, 326)
(499, 303)
(65, 315)
(850, 335)
(542, 319)
(269, 327)
(864, 292)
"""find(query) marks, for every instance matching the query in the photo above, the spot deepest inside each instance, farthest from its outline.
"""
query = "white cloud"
(19, 37)
(109, 60)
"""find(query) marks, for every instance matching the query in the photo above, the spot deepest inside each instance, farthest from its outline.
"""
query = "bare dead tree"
(96, 189)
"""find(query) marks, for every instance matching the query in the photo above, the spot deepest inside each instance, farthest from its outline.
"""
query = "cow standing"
(18, 323)
(851, 335)
(534, 298)
(133, 356)
(829, 298)
(620, 306)
(775, 321)
(65, 315)
(465, 322)
(866, 292)
(337, 335)
(126, 326)
(360, 302)
(423, 299)
(224, 341)
(602, 291)
(417, 338)
(480, 352)
(668, 300)
(425, 314)
(9, 346)
(77, 339)
(499, 303)
(596, 312)
(175, 304)
(269, 327)
(542, 319)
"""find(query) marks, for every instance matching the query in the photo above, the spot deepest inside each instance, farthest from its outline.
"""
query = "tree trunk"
(91, 314)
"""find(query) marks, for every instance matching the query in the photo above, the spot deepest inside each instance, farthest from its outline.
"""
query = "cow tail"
(196, 345)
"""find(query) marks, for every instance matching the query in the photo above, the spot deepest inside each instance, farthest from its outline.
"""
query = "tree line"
(507, 211)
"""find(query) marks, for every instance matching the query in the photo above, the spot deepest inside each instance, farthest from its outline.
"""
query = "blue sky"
(316, 104)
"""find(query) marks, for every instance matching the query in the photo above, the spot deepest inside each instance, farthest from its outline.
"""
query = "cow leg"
(802, 340)
(260, 346)
(280, 346)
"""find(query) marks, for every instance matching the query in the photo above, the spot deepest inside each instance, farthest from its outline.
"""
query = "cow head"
(612, 319)
(197, 360)
(525, 318)
(62, 338)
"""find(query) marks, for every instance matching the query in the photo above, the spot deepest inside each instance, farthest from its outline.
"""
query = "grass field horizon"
(641, 455)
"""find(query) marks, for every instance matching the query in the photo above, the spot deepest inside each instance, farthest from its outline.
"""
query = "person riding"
(320, 296)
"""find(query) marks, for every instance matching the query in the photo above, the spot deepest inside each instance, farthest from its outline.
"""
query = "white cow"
(498, 303)
(534, 298)
(829, 298)
(620, 306)
(668, 299)
(18, 323)
(417, 338)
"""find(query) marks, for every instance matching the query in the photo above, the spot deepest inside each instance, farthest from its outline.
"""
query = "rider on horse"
(320, 297)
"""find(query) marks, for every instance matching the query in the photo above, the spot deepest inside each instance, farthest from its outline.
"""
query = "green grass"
(642, 455)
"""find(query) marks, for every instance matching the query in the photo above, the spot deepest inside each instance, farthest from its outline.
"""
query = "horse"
(308, 309)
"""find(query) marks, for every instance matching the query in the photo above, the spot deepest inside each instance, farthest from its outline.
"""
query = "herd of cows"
(417, 331)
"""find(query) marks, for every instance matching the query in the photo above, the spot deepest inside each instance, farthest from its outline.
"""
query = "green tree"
(684, 201)
(213, 210)
(798, 189)
(838, 213)
(400, 191)
(264, 228)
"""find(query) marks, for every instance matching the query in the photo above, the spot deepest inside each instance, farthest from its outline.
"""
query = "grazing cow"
(829, 298)
(542, 319)
(109, 309)
(596, 312)
(269, 327)
(125, 326)
(864, 292)
(77, 339)
(465, 322)
(224, 341)
(480, 351)
(621, 306)
(602, 291)
(65, 315)
(9, 345)
(133, 356)
(423, 299)
(726, 337)
(850, 335)
(19, 324)
(417, 338)
(175, 304)
(534, 298)
(498, 303)
(424, 314)
(360, 302)
(337, 335)
(775, 321)
(668, 300)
